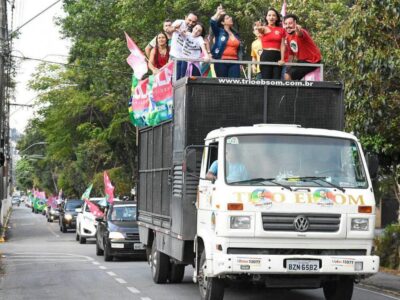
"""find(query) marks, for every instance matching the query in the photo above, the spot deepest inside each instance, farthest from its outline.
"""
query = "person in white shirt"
(194, 47)
(178, 30)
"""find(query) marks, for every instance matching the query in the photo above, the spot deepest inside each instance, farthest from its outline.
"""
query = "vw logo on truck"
(301, 223)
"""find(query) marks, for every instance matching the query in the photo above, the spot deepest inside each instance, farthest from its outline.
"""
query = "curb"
(4, 229)
(377, 288)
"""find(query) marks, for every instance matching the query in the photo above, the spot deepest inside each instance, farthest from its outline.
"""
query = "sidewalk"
(383, 281)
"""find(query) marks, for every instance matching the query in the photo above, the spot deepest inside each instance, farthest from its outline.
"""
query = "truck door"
(206, 187)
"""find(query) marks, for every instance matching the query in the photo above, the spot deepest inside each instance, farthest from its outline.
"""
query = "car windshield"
(123, 213)
(72, 205)
(293, 160)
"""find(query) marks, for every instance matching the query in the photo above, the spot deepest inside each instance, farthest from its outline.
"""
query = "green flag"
(86, 194)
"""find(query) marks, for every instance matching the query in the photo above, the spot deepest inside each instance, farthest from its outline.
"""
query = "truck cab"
(288, 203)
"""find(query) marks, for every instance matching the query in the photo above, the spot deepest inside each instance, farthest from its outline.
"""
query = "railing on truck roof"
(247, 64)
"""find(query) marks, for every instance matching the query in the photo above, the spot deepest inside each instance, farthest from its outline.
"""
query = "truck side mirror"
(191, 159)
(373, 165)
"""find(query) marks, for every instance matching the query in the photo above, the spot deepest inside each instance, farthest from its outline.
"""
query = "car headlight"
(240, 222)
(116, 235)
(359, 224)
(68, 217)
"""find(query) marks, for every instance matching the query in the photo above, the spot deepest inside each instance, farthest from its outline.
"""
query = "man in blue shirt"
(236, 171)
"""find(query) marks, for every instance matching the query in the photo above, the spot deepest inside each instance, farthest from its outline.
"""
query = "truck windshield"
(293, 160)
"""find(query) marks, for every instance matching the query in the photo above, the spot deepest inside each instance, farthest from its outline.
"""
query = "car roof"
(124, 203)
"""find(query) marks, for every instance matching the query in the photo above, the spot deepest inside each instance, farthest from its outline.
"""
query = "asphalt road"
(40, 262)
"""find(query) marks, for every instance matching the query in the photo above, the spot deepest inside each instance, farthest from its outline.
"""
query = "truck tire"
(99, 251)
(159, 263)
(341, 289)
(211, 288)
(176, 273)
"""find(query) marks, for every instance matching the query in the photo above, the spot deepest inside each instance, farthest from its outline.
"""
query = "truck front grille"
(286, 222)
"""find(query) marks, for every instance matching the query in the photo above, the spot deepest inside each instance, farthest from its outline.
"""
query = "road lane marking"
(111, 274)
(376, 293)
(95, 263)
(103, 267)
(120, 280)
(145, 298)
(133, 290)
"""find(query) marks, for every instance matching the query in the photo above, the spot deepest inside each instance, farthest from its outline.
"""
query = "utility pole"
(4, 107)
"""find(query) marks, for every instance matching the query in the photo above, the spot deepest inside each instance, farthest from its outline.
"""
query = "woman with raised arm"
(227, 46)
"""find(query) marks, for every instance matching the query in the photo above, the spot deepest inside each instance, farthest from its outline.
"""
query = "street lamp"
(30, 146)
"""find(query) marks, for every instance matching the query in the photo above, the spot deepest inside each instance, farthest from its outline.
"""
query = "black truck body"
(166, 198)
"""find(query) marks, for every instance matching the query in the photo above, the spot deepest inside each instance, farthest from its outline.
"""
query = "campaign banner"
(140, 103)
(162, 94)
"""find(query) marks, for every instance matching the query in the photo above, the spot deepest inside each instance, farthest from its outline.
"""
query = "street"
(40, 262)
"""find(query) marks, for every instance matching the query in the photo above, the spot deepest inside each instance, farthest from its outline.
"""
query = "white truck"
(282, 205)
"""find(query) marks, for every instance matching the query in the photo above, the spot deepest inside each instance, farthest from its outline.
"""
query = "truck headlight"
(116, 235)
(240, 222)
(68, 217)
(359, 224)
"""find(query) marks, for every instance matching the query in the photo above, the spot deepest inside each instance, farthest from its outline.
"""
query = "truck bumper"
(224, 264)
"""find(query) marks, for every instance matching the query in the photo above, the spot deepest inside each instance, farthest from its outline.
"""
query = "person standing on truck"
(302, 49)
(227, 46)
(152, 44)
(159, 55)
(273, 43)
(178, 30)
(194, 48)
(256, 50)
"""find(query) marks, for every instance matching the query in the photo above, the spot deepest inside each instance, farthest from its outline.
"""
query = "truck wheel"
(341, 289)
(99, 251)
(211, 288)
(159, 264)
(107, 256)
(176, 273)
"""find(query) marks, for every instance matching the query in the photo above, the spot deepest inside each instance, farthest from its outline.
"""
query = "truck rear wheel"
(159, 263)
(211, 288)
(176, 273)
(341, 289)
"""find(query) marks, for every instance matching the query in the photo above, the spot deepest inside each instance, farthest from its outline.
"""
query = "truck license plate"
(302, 265)
(138, 246)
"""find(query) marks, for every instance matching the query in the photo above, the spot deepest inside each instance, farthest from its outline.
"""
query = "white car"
(86, 224)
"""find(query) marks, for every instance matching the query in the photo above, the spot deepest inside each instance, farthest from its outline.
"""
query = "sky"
(38, 39)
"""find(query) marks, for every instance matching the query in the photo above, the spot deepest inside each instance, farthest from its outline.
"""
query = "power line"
(34, 17)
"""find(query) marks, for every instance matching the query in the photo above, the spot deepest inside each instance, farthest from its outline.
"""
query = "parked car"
(86, 224)
(117, 232)
(68, 214)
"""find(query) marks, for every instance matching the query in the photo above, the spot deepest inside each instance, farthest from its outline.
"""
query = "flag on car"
(136, 59)
(108, 188)
(94, 209)
(86, 194)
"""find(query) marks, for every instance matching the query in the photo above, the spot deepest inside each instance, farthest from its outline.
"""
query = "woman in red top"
(273, 43)
(159, 55)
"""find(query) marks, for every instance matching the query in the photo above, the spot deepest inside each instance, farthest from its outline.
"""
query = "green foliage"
(388, 247)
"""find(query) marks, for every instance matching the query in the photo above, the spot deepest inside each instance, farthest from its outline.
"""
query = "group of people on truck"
(276, 41)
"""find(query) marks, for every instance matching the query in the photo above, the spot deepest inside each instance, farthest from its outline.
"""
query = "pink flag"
(136, 59)
(283, 10)
(94, 209)
(108, 188)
